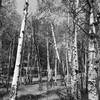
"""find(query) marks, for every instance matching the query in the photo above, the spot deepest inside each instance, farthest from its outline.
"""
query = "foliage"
(37, 31)
(9, 29)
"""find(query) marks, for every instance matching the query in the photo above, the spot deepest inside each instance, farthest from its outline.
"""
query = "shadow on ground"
(38, 97)
(2, 94)
(29, 97)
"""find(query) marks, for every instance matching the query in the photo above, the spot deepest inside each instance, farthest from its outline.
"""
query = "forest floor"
(30, 92)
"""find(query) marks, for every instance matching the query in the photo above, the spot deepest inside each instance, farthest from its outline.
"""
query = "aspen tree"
(68, 64)
(68, 77)
(28, 64)
(56, 50)
(87, 18)
(0, 42)
(75, 54)
(21, 77)
(9, 66)
(97, 62)
(13, 92)
(48, 62)
(31, 58)
(55, 44)
(55, 69)
(92, 55)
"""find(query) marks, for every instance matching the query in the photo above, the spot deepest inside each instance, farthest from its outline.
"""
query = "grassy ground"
(32, 92)
(51, 95)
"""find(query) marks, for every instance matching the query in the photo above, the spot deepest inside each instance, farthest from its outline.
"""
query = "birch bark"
(13, 91)
(92, 55)
(48, 62)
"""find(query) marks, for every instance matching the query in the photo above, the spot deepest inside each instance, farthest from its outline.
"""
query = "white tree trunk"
(67, 64)
(75, 56)
(92, 54)
(57, 53)
(48, 63)
(75, 63)
(18, 57)
(55, 69)
(68, 56)
(55, 44)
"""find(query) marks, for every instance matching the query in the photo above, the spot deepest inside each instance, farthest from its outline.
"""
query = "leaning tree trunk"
(55, 44)
(14, 85)
(56, 51)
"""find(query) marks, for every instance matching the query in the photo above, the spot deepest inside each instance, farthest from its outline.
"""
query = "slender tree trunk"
(37, 52)
(9, 66)
(63, 67)
(98, 87)
(75, 52)
(55, 70)
(87, 19)
(38, 69)
(22, 76)
(55, 44)
(92, 55)
(13, 91)
(48, 62)
(11, 50)
(0, 51)
(68, 65)
(67, 56)
(0, 44)
(28, 65)
(31, 58)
